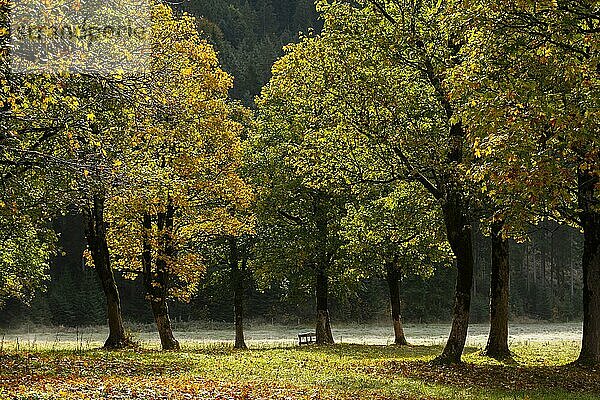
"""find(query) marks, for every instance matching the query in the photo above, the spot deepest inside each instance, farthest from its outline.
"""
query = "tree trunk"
(527, 269)
(321, 268)
(323, 331)
(393, 280)
(590, 221)
(497, 345)
(156, 281)
(571, 268)
(237, 283)
(460, 237)
(543, 255)
(96, 237)
(163, 324)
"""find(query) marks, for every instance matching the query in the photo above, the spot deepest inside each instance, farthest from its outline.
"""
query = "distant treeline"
(545, 285)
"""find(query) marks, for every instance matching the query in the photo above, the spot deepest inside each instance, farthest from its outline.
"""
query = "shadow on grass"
(506, 377)
(412, 362)
(367, 365)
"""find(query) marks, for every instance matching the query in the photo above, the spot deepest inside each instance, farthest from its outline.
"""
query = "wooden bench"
(306, 338)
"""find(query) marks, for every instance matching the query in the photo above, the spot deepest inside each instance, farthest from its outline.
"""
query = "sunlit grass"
(540, 371)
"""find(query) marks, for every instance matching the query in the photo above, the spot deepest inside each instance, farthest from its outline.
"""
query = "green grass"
(540, 371)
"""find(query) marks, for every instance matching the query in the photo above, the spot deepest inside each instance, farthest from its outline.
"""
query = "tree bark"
(163, 324)
(393, 281)
(323, 331)
(497, 345)
(321, 267)
(590, 222)
(156, 281)
(460, 237)
(571, 268)
(237, 283)
(96, 238)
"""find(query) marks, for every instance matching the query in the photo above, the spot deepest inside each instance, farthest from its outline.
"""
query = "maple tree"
(386, 86)
(104, 105)
(32, 169)
(394, 230)
(531, 99)
(95, 135)
(298, 218)
(181, 169)
(62, 111)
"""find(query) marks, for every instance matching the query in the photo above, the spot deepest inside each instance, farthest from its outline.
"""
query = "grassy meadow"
(274, 369)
